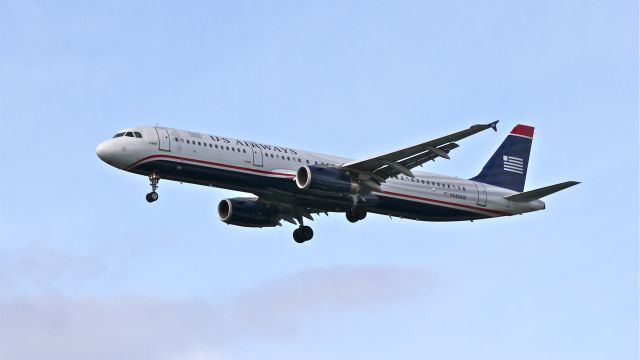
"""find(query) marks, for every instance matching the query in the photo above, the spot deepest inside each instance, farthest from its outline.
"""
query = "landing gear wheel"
(307, 233)
(152, 196)
(302, 234)
(355, 215)
(297, 236)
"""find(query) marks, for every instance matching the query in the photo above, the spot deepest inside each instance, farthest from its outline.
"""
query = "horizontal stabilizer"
(540, 193)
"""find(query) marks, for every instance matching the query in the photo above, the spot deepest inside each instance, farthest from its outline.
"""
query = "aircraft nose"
(104, 152)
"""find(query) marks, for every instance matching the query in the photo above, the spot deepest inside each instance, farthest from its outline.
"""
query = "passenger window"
(307, 161)
(244, 151)
(233, 149)
(464, 188)
(181, 140)
(188, 142)
(210, 145)
(216, 146)
(288, 158)
(227, 148)
(199, 143)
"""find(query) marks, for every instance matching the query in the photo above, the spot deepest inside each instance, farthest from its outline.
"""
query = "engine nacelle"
(246, 212)
(325, 179)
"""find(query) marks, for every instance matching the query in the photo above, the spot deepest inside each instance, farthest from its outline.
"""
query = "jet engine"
(325, 179)
(246, 212)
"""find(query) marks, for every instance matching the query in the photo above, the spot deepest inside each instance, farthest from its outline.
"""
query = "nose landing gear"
(153, 195)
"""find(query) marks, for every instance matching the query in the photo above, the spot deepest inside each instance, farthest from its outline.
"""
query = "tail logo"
(513, 164)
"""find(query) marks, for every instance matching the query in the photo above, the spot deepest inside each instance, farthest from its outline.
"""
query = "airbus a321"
(293, 185)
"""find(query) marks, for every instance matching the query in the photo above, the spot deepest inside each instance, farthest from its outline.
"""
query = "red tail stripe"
(523, 130)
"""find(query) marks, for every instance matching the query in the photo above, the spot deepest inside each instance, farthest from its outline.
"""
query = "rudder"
(507, 168)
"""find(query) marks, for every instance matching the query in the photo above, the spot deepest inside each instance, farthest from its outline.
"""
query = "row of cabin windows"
(205, 144)
(432, 183)
(276, 156)
(289, 158)
(294, 159)
(128, 134)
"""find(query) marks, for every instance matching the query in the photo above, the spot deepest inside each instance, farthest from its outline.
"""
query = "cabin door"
(257, 156)
(164, 141)
(482, 194)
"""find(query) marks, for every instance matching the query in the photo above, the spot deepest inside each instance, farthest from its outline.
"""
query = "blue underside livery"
(267, 186)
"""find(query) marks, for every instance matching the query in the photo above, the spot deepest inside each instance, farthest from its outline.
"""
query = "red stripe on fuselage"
(413, 197)
(496, 212)
(207, 163)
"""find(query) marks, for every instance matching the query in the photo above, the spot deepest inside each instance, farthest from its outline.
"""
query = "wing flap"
(415, 155)
(413, 161)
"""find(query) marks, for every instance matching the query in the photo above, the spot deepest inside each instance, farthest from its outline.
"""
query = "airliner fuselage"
(292, 184)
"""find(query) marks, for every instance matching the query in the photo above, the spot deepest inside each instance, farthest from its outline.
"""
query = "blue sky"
(88, 269)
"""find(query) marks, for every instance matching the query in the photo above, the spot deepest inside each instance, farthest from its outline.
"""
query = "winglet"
(494, 125)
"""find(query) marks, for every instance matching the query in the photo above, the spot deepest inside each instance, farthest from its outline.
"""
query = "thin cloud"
(134, 328)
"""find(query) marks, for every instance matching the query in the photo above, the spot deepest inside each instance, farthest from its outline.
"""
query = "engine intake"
(324, 179)
(246, 212)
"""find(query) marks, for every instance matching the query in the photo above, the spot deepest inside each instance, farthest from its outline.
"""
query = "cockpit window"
(129, 134)
(118, 135)
(137, 134)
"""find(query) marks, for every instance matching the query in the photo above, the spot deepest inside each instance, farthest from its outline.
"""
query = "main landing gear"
(153, 195)
(302, 234)
(356, 214)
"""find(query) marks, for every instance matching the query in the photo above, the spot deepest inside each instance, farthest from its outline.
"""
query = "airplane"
(292, 185)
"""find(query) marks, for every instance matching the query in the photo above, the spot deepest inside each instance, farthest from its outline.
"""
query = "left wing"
(384, 166)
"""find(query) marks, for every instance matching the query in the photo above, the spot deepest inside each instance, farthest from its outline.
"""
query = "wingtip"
(494, 125)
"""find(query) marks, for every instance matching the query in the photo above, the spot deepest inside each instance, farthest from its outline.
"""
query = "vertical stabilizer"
(507, 167)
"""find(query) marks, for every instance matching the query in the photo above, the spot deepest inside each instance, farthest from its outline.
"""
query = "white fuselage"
(268, 170)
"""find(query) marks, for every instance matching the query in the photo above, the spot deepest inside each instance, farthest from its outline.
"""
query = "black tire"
(350, 217)
(307, 233)
(152, 196)
(297, 236)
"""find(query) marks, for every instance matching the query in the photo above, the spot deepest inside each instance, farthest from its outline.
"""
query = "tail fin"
(507, 167)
